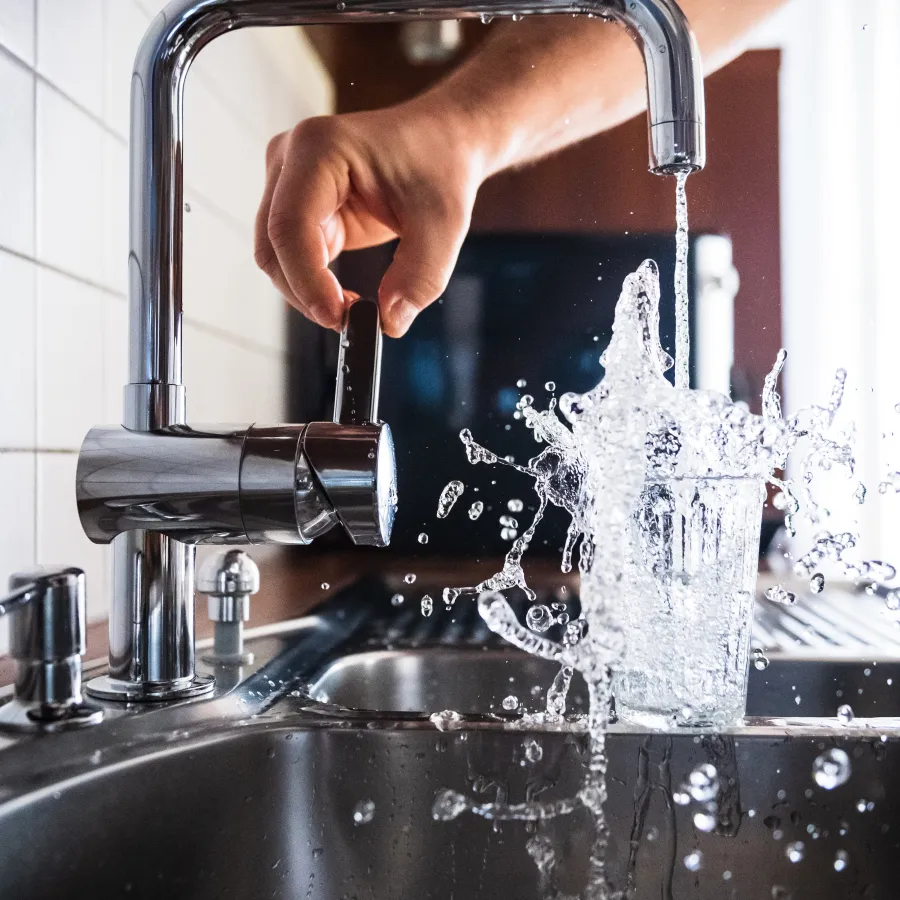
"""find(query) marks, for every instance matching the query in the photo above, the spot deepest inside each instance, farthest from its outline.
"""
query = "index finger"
(311, 188)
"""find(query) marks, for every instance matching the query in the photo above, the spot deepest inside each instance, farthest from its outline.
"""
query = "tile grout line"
(88, 282)
(97, 120)
(35, 334)
(194, 322)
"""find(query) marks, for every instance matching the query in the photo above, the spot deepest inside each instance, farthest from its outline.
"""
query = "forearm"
(545, 83)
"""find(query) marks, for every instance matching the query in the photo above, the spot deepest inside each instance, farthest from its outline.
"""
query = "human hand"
(360, 179)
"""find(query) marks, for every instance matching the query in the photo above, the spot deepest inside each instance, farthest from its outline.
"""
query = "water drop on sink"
(409, 578)
(681, 798)
(703, 783)
(760, 660)
(510, 703)
(693, 862)
(795, 851)
(446, 720)
(363, 812)
(845, 714)
(325, 585)
(832, 768)
(448, 805)
(397, 600)
(704, 820)
(841, 860)
(533, 751)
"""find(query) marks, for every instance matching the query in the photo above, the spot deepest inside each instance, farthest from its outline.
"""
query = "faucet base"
(107, 688)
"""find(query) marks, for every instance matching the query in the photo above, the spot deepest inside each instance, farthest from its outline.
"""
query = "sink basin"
(263, 792)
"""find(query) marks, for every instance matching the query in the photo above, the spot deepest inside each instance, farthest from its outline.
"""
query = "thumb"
(422, 264)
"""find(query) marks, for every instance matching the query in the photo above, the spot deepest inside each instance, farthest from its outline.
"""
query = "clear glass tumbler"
(691, 565)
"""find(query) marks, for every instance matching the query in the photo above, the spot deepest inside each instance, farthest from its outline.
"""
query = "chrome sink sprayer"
(155, 486)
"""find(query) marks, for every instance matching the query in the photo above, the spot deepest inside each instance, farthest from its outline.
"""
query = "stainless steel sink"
(252, 794)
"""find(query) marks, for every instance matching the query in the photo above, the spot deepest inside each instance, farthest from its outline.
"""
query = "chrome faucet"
(156, 487)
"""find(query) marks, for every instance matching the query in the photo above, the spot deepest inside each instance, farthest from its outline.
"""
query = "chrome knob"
(353, 456)
(229, 578)
(47, 640)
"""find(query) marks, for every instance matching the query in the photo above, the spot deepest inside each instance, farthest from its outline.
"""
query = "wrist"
(462, 115)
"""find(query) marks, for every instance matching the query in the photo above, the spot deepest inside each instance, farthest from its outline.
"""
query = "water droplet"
(681, 798)
(892, 601)
(508, 534)
(778, 594)
(510, 703)
(693, 862)
(187, 207)
(423, 538)
(550, 386)
(845, 714)
(817, 583)
(841, 860)
(521, 383)
(538, 618)
(363, 812)
(515, 506)
(427, 606)
(397, 600)
(832, 768)
(448, 805)
(475, 510)
(317, 852)
(533, 751)
(449, 495)
(760, 660)
(703, 783)
(780, 893)
(341, 6)
(795, 851)
(409, 578)
(325, 585)
(863, 806)
(705, 821)
(449, 596)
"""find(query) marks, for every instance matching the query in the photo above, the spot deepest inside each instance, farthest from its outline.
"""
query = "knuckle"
(314, 131)
(274, 149)
(265, 258)
(281, 228)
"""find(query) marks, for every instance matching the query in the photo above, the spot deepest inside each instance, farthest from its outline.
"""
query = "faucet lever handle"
(359, 365)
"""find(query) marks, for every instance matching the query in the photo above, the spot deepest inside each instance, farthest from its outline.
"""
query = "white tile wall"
(17, 86)
(17, 28)
(65, 69)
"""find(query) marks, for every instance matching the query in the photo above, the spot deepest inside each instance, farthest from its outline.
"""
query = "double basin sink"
(313, 774)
